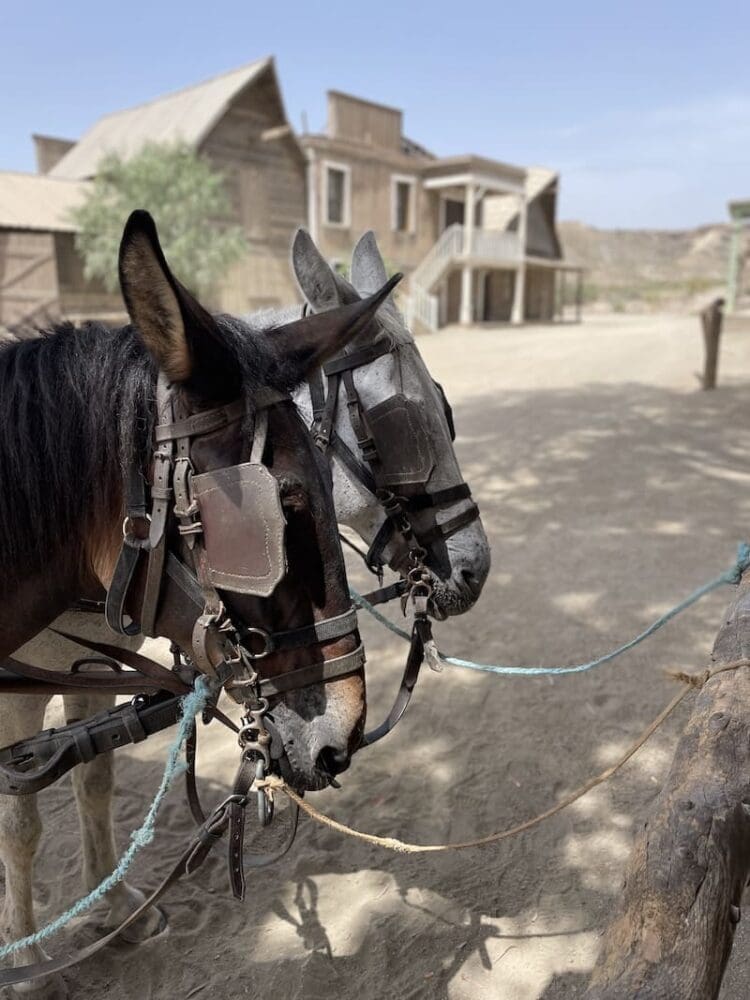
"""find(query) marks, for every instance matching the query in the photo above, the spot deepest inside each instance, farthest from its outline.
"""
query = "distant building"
(475, 237)
(739, 212)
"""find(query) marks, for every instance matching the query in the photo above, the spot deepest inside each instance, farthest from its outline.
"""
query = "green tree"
(188, 200)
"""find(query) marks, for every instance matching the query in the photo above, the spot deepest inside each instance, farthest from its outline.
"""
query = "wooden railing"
(487, 246)
(496, 245)
(423, 307)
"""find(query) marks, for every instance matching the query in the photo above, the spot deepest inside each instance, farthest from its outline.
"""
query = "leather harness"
(32, 764)
(376, 473)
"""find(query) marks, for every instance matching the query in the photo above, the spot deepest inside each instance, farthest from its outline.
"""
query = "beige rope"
(273, 783)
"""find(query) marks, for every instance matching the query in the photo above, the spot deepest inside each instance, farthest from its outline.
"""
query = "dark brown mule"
(77, 405)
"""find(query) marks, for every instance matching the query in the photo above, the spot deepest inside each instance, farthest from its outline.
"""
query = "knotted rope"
(435, 657)
(692, 682)
(192, 705)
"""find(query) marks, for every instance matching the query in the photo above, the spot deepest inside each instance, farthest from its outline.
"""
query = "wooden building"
(737, 294)
(475, 237)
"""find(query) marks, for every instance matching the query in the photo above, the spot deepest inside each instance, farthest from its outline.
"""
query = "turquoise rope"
(730, 576)
(191, 705)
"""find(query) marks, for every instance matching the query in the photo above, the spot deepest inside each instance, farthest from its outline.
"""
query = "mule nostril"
(332, 761)
(471, 582)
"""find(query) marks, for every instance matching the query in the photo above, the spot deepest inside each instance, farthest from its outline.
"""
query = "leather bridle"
(171, 493)
(227, 651)
(368, 470)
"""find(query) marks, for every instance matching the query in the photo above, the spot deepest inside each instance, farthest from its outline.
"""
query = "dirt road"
(610, 487)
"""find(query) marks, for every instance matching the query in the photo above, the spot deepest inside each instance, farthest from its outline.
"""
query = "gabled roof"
(187, 115)
(502, 211)
(33, 201)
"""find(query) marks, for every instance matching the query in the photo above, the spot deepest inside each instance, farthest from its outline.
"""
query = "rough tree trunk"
(672, 934)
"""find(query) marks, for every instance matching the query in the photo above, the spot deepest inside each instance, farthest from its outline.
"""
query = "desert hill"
(632, 269)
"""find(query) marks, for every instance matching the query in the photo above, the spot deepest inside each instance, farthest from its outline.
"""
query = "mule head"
(212, 361)
(459, 564)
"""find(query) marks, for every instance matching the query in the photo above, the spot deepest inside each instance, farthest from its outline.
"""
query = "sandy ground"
(610, 488)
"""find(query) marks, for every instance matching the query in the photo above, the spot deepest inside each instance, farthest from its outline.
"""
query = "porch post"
(312, 194)
(466, 314)
(519, 290)
(481, 280)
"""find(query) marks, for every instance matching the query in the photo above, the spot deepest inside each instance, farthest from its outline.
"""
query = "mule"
(76, 411)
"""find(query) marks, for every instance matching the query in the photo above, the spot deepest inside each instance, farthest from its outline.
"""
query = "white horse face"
(458, 564)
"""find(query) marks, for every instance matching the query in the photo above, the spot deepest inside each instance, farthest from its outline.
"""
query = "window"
(337, 194)
(403, 213)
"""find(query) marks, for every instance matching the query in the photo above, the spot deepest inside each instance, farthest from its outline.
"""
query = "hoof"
(125, 900)
(150, 925)
(50, 988)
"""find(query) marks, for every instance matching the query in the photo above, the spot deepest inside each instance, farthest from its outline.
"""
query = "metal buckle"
(268, 643)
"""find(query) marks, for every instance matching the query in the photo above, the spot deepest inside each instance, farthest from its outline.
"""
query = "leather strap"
(17, 677)
(356, 359)
(238, 860)
(447, 529)
(384, 594)
(122, 578)
(30, 765)
(314, 673)
(323, 631)
(161, 502)
(343, 452)
(200, 423)
(420, 634)
(452, 494)
(149, 668)
(189, 861)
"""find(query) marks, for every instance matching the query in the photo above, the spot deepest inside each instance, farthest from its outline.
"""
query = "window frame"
(411, 181)
(346, 214)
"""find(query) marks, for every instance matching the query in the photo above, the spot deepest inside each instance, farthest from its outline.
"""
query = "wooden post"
(466, 309)
(711, 320)
(673, 932)
(518, 309)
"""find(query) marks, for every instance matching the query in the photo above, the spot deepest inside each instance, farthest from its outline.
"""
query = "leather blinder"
(243, 528)
(404, 450)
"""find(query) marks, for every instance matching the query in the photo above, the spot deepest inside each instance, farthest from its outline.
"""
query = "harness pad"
(401, 437)
(243, 528)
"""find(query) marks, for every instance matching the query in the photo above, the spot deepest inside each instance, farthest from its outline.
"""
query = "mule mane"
(76, 407)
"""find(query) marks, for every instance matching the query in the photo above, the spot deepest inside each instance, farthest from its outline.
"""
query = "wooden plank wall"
(266, 182)
(372, 174)
(361, 121)
(28, 277)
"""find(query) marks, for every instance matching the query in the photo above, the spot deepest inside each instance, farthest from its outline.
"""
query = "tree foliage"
(188, 200)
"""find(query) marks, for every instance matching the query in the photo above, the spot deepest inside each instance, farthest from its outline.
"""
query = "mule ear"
(181, 336)
(315, 276)
(308, 342)
(368, 268)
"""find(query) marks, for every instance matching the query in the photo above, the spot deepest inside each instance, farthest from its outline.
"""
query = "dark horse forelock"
(76, 404)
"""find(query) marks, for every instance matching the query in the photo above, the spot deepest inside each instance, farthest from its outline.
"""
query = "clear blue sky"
(643, 107)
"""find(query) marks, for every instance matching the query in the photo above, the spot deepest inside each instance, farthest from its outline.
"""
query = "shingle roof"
(187, 115)
(33, 201)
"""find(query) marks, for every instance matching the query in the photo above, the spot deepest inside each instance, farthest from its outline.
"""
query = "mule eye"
(293, 494)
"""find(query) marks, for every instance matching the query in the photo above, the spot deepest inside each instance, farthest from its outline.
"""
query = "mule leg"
(20, 829)
(93, 785)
